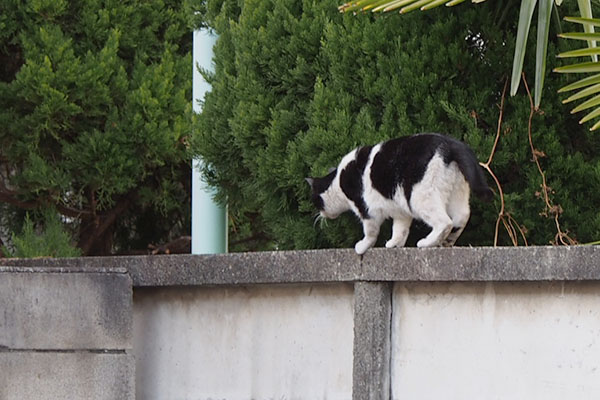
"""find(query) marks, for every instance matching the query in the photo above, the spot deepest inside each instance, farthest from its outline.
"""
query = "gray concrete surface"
(44, 309)
(372, 338)
(260, 342)
(445, 303)
(496, 340)
(478, 264)
(484, 264)
(66, 376)
(66, 333)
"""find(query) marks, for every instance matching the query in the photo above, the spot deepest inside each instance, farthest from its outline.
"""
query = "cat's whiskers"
(320, 219)
(316, 219)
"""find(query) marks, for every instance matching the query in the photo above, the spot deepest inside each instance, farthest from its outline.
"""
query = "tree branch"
(105, 221)
(12, 197)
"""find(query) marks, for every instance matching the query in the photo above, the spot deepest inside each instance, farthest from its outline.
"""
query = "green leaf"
(525, 15)
(454, 3)
(592, 115)
(580, 52)
(590, 80)
(397, 4)
(544, 14)
(414, 6)
(580, 35)
(585, 9)
(579, 68)
(354, 6)
(593, 128)
(594, 101)
(583, 93)
(382, 6)
(387, 5)
(578, 20)
(433, 4)
(375, 4)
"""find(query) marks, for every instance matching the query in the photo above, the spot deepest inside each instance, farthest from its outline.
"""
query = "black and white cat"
(425, 176)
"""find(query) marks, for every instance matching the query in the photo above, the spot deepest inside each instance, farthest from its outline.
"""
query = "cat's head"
(327, 195)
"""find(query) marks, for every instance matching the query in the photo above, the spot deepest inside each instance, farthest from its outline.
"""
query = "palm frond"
(391, 5)
(591, 84)
(525, 15)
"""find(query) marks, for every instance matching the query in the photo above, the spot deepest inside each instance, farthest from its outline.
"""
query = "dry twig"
(510, 224)
(549, 208)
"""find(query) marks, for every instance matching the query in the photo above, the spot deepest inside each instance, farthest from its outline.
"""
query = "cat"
(426, 176)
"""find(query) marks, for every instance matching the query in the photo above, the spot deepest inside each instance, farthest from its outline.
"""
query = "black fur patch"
(351, 180)
(403, 161)
(319, 185)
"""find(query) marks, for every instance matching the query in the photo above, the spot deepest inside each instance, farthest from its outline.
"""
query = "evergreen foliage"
(48, 240)
(297, 85)
(94, 114)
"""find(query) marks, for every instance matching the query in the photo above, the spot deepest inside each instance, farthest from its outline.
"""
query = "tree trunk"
(96, 231)
(92, 240)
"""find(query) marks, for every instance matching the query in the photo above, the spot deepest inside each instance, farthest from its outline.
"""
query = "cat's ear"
(331, 170)
(310, 181)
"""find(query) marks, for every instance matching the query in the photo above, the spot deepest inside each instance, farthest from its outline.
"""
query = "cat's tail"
(470, 168)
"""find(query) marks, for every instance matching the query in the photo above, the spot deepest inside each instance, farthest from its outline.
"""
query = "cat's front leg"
(400, 229)
(371, 230)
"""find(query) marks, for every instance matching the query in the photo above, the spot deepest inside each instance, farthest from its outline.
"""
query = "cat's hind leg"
(439, 232)
(400, 229)
(458, 225)
(459, 211)
(453, 236)
(371, 231)
(440, 223)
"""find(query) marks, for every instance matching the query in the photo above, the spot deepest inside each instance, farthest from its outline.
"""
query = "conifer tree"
(94, 115)
(297, 85)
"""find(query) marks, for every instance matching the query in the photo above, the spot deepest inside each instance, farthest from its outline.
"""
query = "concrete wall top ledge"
(31, 267)
(477, 264)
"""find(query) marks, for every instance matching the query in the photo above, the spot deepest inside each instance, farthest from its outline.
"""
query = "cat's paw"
(435, 237)
(426, 243)
(391, 243)
(362, 246)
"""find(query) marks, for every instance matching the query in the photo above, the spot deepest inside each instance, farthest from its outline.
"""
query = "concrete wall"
(239, 343)
(484, 323)
(496, 341)
(65, 334)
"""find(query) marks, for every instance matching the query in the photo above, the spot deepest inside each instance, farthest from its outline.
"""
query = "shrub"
(297, 85)
(47, 240)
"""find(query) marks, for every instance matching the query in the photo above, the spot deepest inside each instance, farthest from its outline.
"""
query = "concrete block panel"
(505, 341)
(73, 376)
(65, 310)
(372, 316)
(240, 343)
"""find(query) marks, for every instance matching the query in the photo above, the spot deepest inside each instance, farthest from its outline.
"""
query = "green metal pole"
(209, 219)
